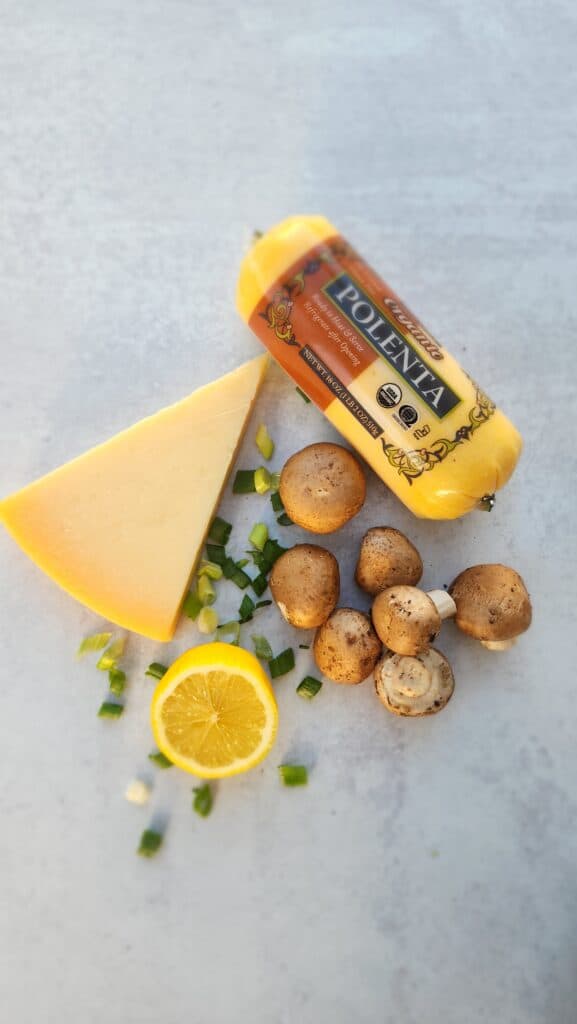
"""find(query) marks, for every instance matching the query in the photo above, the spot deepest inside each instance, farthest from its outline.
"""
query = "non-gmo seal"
(389, 395)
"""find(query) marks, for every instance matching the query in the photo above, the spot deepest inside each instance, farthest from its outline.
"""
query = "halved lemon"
(214, 713)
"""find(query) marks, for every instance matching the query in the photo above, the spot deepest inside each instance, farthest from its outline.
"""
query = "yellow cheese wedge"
(121, 527)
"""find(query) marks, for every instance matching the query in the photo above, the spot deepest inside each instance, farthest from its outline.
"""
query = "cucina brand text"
(372, 324)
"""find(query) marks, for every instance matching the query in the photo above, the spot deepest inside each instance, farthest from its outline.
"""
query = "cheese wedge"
(121, 527)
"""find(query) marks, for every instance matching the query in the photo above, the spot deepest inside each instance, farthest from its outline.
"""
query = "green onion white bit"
(205, 590)
(264, 442)
(111, 655)
(262, 480)
(210, 569)
(116, 681)
(207, 620)
(293, 774)
(258, 536)
(137, 792)
(93, 643)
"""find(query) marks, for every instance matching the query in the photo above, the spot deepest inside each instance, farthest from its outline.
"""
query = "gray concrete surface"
(427, 875)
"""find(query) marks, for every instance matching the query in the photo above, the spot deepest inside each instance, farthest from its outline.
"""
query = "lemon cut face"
(214, 713)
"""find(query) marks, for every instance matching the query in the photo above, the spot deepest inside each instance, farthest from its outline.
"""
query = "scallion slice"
(203, 800)
(156, 670)
(259, 584)
(264, 442)
(241, 578)
(116, 681)
(192, 605)
(258, 536)
(273, 550)
(284, 520)
(262, 648)
(150, 843)
(206, 591)
(309, 687)
(220, 531)
(93, 643)
(303, 396)
(110, 710)
(262, 604)
(244, 482)
(216, 553)
(283, 663)
(305, 647)
(246, 610)
(229, 629)
(159, 759)
(274, 482)
(207, 620)
(261, 480)
(210, 569)
(113, 652)
(276, 502)
(293, 774)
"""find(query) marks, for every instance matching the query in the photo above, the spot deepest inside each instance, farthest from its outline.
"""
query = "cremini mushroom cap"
(413, 686)
(492, 602)
(305, 585)
(322, 487)
(346, 647)
(406, 619)
(386, 558)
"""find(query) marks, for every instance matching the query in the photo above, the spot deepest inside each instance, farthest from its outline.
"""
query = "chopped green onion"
(210, 569)
(274, 482)
(262, 604)
(293, 774)
(305, 647)
(302, 394)
(284, 520)
(309, 687)
(203, 800)
(156, 670)
(192, 605)
(258, 536)
(159, 759)
(206, 591)
(276, 502)
(246, 610)
(111, 655)
(259, 584)
(242, 562)
(207, 620)
(273, 550)
(244, 482)
(262, 648)
(283, 663)
(116, 681)
(261, 480)
(110, 710)
(220, 531)
(238, 576)
(216, 553)
(264, 442)
(93, 643)
(150, 843)
(231, 629)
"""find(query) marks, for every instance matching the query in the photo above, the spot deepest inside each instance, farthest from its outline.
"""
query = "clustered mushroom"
(322, 487)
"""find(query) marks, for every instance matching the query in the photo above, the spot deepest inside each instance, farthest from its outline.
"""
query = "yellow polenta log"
(379, 376)
(121, 527)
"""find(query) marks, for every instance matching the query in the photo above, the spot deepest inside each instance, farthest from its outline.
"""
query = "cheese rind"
(121, 527)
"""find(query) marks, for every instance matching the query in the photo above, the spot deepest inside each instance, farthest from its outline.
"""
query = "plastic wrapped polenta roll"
(431, 434)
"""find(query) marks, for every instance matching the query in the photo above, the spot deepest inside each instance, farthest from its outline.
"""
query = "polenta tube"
(352, 346)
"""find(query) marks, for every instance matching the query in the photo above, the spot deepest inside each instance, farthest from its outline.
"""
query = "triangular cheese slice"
(121, 527)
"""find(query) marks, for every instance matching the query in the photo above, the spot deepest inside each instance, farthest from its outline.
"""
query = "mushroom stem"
(443, 602)
(499, 645)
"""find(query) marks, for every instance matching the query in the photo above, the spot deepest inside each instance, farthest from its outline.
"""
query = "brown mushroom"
(322, 487)
(413, 686)
(492, 604)
(387, 558)
(346, 647)
(408, 620)
(305, 585)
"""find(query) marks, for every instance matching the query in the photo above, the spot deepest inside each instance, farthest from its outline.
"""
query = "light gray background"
(428, 873)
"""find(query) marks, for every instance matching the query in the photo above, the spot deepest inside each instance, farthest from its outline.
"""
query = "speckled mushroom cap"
(492, 602)
(414, 686)
(386, 558)
(322, 487)
(406, 619)
(346, 647)
(305, 585)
